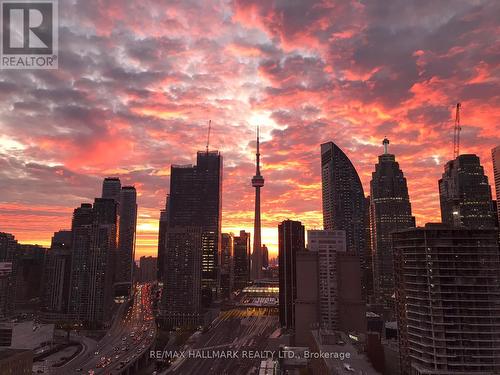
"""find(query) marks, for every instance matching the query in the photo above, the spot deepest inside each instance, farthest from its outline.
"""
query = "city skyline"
(306, 80)
(269, 233)
(250, 186)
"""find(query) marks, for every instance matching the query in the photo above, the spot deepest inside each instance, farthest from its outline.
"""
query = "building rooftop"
(6, 353)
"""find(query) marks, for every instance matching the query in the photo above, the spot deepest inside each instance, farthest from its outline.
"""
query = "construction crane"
(456, 133)
(208, 136)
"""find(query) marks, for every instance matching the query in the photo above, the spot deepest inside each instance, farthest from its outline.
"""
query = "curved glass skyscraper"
(343, 197)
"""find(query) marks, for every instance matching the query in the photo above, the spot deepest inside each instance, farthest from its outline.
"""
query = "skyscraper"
(181, 297)
(94, 244)
(465, 194)
(57, 273)
(291, 238)
(241, 260)
(447, 300)
(126, 243)
(390, 210)
(126, 198)
(147, 269)
(495, 154)
(195, 199)
(257, 183)
(326, 244)
(111, 188)
(306, 303)
(351, 300)
(226, 264)
(102, 256)
(340, 302)
(81, 229)
(209, 174)
(368, 260)
(28, 271)
(344, 204)
(343, 197)
(162, 232)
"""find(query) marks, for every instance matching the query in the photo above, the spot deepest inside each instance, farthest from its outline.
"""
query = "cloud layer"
(138, 82)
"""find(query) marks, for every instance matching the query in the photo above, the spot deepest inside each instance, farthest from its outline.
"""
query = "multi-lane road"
(241, 331)
(125, 341)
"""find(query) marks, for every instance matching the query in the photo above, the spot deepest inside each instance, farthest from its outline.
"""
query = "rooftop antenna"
(208, 136)
(456, 132)
(385, 142)
(258, 151)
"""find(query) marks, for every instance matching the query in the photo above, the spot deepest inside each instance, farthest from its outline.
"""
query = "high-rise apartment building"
(102, 260)
(195, 200)
(193, 215)
(162, 232)
(327, 244)
(447, 300)
(291, 238)
(181, 297)
(111, 188)
(367, 281)
(343, 197)
(307, 301)
(126, 240)
(390, 210)
(344, 203)
(94, 243)
(57, 273)
(226, 264)
(126, 198)
(81, 229)
(241, 260)
(28, 272)
(340, 303)
(465, 194)
(351, 299)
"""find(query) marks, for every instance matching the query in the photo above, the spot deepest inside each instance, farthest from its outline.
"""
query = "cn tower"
(257, 183)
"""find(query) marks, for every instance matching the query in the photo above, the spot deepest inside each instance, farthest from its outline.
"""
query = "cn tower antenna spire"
(258, 153)
(257, 183)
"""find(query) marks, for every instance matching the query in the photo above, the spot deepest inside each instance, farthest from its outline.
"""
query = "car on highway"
(348, 367)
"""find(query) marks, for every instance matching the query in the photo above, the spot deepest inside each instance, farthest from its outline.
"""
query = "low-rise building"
(16, 362)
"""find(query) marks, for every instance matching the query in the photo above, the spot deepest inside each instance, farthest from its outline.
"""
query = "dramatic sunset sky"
(139, 80)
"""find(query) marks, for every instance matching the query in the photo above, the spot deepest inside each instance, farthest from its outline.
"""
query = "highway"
(241, 330)
(125, 341)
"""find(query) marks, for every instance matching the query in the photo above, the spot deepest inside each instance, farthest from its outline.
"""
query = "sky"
(139, 80)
